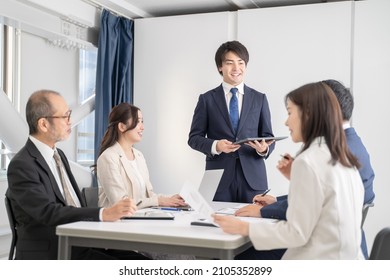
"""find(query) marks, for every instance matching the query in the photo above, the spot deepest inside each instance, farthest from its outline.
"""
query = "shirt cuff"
(101, 214)
(263, 154)
(214, 148)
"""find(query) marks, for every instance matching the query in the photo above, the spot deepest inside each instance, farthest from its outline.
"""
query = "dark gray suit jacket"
(38, 204)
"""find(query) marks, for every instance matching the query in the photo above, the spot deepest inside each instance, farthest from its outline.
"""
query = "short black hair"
(231, 46)
(344, 97)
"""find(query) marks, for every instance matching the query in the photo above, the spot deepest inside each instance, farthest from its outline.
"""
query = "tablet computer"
(150, 216)
(242, 141)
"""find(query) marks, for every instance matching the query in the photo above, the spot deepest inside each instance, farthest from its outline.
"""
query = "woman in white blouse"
(122, 169)
(326, 192)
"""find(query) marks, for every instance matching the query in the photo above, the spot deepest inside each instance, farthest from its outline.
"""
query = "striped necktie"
(68, 197)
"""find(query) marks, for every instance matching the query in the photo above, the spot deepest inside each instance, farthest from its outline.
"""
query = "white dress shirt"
(228, 95)
(47, 153)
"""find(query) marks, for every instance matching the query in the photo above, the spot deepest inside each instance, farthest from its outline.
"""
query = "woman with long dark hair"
(121, 168)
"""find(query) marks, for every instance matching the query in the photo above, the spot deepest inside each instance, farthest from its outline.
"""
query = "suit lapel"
(42, 163)
(246, 105)
(220, 101)
(126, 166)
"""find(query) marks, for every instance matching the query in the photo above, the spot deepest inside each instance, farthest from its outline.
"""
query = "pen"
(169, 208)
(139, 202)
(285, 157)
(264, 193)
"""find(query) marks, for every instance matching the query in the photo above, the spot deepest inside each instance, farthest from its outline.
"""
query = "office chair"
(12, 224)
(365, 211)
(91, 196)
(381, 247)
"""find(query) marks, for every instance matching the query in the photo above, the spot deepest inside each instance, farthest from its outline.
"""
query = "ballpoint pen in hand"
(288, 157)
(264, 193)
(285, 157)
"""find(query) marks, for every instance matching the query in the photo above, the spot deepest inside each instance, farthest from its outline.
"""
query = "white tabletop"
(175, 236)
(172, 232)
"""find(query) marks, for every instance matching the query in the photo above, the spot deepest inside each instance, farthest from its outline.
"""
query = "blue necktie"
(233, 109)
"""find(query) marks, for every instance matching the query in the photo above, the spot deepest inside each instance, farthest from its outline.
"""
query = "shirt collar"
(44, 149)
(227, 87)
(346, 125)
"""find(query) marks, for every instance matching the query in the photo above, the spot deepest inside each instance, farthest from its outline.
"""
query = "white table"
(166, 236)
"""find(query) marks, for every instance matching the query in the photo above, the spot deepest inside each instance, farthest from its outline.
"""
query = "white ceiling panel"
(158, 8)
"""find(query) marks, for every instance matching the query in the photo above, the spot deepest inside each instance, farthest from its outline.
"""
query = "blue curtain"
(114, 72)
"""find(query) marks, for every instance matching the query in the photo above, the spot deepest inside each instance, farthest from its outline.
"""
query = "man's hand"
(124, 207)
(264, 200)
(260, 147)
(225, 146)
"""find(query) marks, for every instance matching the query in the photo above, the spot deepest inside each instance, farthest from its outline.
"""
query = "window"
(8, 77)
(86, 128)
(3, 159)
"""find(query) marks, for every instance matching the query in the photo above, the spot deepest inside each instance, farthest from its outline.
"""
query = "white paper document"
(191, 195)
(230, 210)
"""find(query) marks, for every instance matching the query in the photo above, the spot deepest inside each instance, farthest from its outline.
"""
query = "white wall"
(47, 67)
(174, 63)
(371, 75)
(289, 46)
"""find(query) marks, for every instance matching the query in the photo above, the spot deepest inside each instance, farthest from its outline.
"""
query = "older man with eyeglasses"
(43, 191)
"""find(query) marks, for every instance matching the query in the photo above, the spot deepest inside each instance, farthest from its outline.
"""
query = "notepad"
(150, 216)
(242, 141)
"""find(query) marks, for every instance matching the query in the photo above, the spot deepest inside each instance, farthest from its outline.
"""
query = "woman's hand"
(284, 165)
(231, 225)
(175, 200)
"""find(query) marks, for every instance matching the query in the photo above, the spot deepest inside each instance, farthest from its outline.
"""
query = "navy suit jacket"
(39, 206)
(211, 122)
(278, 209)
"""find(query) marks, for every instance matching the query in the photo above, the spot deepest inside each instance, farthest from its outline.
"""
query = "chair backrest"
(381, 247)
(365, 211)
(91, 196)
(12, 224)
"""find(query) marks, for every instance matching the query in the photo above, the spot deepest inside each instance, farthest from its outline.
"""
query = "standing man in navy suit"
(230, 112)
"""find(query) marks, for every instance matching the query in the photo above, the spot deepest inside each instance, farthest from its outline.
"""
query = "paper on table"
(193, 197)
(230, 210)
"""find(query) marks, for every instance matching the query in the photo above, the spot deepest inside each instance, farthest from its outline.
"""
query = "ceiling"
(158, 8)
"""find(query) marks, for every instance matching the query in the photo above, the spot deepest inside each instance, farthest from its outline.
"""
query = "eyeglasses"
(68, 114)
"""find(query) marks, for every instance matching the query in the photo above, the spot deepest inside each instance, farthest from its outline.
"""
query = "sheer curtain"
(114, 72)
